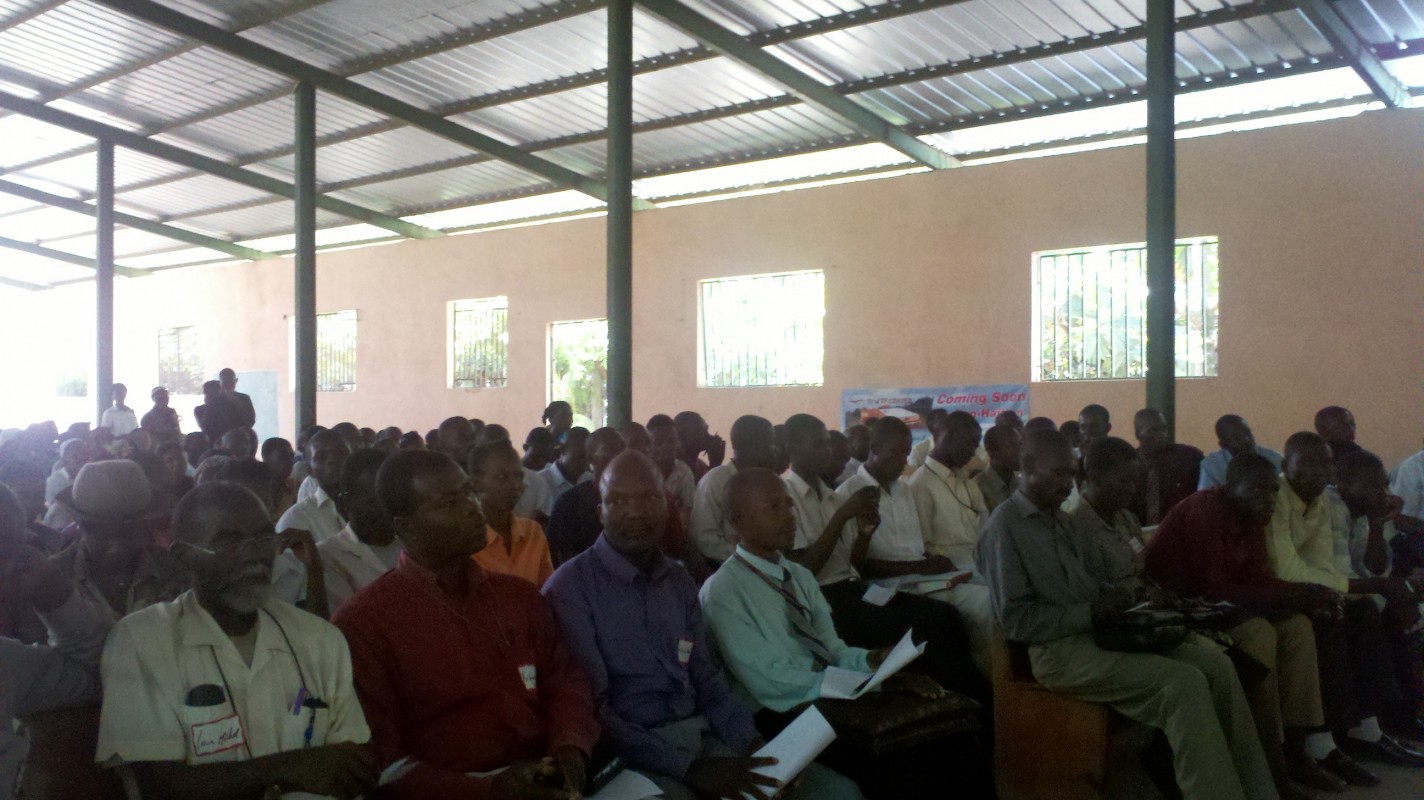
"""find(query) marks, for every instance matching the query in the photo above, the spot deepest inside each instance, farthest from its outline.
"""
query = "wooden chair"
(1047, 745)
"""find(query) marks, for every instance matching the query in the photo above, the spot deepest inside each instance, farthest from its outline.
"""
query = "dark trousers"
(947, 658)
(1357, 668)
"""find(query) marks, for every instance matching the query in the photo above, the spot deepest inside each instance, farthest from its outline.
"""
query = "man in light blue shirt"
(1235, 438)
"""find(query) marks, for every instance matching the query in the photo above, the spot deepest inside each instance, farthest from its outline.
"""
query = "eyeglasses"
(268, 543)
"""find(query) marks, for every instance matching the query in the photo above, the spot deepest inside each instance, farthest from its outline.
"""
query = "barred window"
(180, 365)
(578, 368)
(1090, 312)
(763, 330)
(479, 343)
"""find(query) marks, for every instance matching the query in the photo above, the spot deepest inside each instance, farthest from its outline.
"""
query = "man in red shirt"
(460, 670)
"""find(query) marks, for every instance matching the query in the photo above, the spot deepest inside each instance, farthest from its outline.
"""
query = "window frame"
(707, 365)
(500, 340)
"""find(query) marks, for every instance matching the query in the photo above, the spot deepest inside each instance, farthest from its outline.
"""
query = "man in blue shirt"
(630, 616)
(1235, 438)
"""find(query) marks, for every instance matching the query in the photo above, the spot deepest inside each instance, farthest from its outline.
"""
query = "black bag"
(1144, 630)
(885, 722)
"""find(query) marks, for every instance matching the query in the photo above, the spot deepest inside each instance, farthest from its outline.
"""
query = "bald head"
(633, 507)
(1336, 425)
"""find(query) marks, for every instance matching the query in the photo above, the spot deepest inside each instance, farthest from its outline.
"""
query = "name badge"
(684, 651)
(530, 676)
(218, 736)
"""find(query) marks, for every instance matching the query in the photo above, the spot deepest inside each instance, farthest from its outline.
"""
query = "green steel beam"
(1161, 209)
(327, 81)
(619, 302)
(213, 166)
(1345, 41)
(59, 255)
(137, 223)
(304, 230)
(104, 281)
(795, 81)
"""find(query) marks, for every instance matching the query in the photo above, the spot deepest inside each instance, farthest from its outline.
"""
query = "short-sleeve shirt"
(526, 557)
(813, 512)
(899, 537)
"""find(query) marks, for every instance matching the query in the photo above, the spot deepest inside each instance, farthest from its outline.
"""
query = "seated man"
(575, 524)
(1358, 682)
(317, 512)
(569, 469)
(199, 693)
(37, 678)
(1336, 425)
(1001, 478)
(366, 548)
(951, 511)
(540, 448)
(461, 670)
(753, 447)
(678, 482)
(1213, 546)
(631, 618)
(516, 546)
(1048, 584)
(1170, 470)
(1235, 437)
(834, 533)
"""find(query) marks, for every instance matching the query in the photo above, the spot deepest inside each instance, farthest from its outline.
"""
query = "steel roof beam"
(810, 90)
(59, 255)
(268, 58)
(135, 222)
(188, 158)
(26, 285)
(1345, 41)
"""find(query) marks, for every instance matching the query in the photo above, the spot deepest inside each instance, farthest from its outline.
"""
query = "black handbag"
(1143, 630)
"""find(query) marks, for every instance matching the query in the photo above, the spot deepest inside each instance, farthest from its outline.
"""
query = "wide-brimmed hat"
(114, 491)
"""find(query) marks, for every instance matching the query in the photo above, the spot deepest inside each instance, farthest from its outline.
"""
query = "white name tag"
(684, 651)
(530, 676)
(218, 736)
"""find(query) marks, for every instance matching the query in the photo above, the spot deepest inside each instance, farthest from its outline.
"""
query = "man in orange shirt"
(516, 545)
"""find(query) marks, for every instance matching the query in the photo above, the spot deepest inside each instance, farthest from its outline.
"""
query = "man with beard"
(226, 692)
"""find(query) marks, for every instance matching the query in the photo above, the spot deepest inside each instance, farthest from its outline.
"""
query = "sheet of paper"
(903, 653)
(628, 785)
(841, 684)
(797, 746)
(878, 595)
(396, 771)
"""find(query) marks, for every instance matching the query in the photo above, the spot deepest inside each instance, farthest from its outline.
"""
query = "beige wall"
(1322, 243)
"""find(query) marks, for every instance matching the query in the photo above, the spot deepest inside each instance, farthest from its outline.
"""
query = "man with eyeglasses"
(462, 672)
(226, 692)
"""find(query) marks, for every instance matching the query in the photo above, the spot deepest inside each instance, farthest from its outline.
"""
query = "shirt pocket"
(213, 734)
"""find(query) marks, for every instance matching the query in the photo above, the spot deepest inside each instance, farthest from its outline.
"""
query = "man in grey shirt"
(1047, 584)
(35, 678)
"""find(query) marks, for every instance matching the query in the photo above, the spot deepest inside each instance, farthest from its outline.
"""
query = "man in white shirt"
(73, 455)
(119, 418)
(569, 469)
(316, 513)
(367, 547)
(1407, 481)
(858, 437)
(952, 509)
(679, 484)
(921, 451)
(226, 691)
(753, 446)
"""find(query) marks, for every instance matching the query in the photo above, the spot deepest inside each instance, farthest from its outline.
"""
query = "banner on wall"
(913, 405)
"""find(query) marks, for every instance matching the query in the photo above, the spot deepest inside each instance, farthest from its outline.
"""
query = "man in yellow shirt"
(516, 545)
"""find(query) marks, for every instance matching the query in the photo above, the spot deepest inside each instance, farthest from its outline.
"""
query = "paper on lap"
(847, 684)
(797, 746)
(627, 785)
(881, 590)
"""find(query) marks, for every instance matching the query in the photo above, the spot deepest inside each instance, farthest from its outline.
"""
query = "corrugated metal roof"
(962, 74)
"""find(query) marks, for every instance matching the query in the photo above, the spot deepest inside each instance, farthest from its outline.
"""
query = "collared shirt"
(35, 678)
(442, 678)
(525, 554)
(640, 638)
(350, 565)
(558, 484)
(711, 530)
(1168, 476)
(308, 486)
(814, 511)
(120, 421)
(1352, 539)
(1213, 467)
(162, 421)
(681, 485)
(1301, 541)
(1044, 571)
(852, 466)
(57, 482)
(1206, 548)
(899, 537)
(1119, 540)
(951, 509)
(751, 624)
(156, 657)
(156, 579)
(317, 515)
(919, 454)
(535, 499)
(1407, 481)
(994, 488)
(575, 523)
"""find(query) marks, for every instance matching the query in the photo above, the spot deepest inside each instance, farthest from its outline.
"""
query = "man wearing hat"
(115, 564)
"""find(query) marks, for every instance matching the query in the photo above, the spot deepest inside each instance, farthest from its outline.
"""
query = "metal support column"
(1161, 210)
(304, 311)
(620, 212)
(104, 281)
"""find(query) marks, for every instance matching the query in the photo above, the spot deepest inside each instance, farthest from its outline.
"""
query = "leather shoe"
(1388, 750)
(1306, 772)
(1347, 768)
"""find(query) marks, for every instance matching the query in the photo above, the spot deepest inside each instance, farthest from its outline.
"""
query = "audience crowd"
(388, 613)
